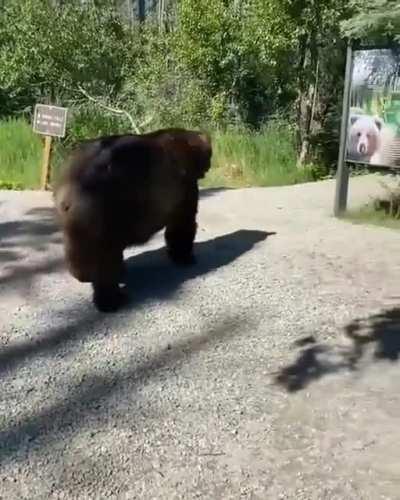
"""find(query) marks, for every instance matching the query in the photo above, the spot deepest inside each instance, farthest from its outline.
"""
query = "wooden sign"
(49, 121)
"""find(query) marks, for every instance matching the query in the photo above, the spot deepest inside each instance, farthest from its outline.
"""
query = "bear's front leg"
(181, 229)
(108, 298)
(107, 294)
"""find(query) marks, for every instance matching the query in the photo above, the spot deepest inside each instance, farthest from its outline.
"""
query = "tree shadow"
(149, 275)
(382, 331)
(8, 255)
(90, 396)
(24, 275)
(31, 236)
(29, 231)
(311, 364)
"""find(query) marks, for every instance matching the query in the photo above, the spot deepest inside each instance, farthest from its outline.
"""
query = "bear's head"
(364, 135)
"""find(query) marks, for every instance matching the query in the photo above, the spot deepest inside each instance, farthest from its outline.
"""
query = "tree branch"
(112, 110)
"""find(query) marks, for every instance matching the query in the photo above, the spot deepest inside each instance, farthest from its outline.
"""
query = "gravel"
(269, 370)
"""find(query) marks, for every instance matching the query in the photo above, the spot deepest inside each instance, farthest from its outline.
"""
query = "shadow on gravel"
(383, 333)
(315, 360)
(99, 394)
(35, 230)
(32, 234)
(89, 397)
(150, 275)
(206, 192)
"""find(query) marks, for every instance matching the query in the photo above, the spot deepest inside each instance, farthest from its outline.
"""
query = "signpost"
(49, 121)
(370, 129)
(342, 174)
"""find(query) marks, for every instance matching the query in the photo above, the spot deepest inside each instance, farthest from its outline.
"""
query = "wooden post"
(342, 174)
(46, 162)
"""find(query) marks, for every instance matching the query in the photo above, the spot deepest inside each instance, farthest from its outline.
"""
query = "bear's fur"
(388, 152)
(120, 190)
(370, 141)
(364, 137)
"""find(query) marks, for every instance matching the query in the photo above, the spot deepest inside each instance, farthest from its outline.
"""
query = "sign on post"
(49, 121)
(373, 136)
(370, 129)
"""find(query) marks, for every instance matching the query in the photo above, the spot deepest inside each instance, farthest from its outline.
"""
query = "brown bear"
(118, 191)
(372, 141)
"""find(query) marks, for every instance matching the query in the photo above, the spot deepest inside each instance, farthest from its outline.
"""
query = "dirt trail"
(271, 370)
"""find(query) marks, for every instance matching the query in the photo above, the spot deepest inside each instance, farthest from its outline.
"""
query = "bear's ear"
(201, 150)
(378, 123)
(353, 119)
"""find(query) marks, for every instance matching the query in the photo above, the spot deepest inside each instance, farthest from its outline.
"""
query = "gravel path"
(268, 371)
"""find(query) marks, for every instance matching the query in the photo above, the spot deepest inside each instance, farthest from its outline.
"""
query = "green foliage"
(256, 158)
(317, 75)
(373, 21)
(88, 122)
(226, 66)
(11, 186)
(20, 155)
(47, 51)
(242, 157)
(238, 50)
(162, 89)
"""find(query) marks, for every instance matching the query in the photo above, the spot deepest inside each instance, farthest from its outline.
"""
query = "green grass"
(241, 158)
(265, 158)
(369, 214)
(20, 155)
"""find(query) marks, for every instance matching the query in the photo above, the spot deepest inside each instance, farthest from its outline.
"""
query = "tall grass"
(382, 211)
(20, 155)
(263, 158)
(371, 215)
(241, 157)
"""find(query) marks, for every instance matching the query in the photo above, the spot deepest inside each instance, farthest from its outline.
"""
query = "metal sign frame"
(342, 173)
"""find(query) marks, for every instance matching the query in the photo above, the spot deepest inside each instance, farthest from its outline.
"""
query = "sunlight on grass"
(264, 158)
(241, 158)
(370, 215)
(20, 155)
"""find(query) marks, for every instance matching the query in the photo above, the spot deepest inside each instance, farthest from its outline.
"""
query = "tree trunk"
(307, 110)
(306, 100)
(308, 87)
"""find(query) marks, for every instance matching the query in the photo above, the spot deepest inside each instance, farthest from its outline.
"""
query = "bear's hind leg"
(181, 229)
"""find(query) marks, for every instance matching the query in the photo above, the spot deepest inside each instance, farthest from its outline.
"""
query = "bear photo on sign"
(373, 134)
(369, 140)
